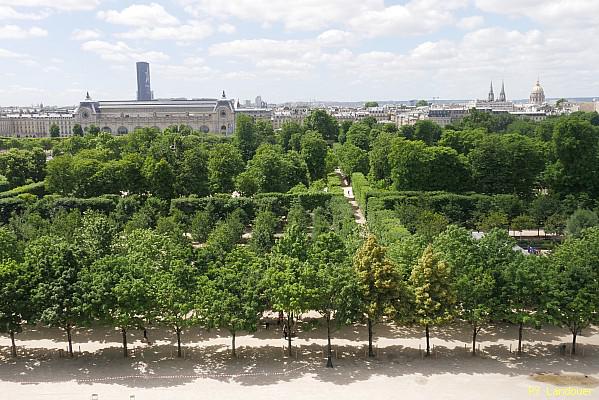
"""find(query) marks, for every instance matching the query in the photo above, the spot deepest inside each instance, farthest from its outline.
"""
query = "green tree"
(54, 131)
(427, 131)
(201, 225)
(10, 248)
(287, 290)
(289, 130)
(227, 233)
(526, 285)
(15, 305)
(422, 103)
(225, 162)
(175, 289)
(575, 294)
(54, 266)
(474, 283)
(245, 138)
(325, 124)
(77, 130)
(160, 177)
(334, 283)
(434, 293)
(379, 284)
(359, 135)
(232, 299)
(314, 153)
(191, 175)
(352, 159)
(370, 104)
(263, 232)
(580, 220)
(575, 145)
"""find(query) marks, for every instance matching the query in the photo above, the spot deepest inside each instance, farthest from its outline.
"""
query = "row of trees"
(131, 280)
(481, 154)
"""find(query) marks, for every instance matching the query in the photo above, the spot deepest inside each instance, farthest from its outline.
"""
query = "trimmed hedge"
(37, 188)
(11, 205)
(458, 208)
(278, 203)
(51, 205)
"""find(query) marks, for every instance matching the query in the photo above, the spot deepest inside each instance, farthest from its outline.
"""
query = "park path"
(348, 193)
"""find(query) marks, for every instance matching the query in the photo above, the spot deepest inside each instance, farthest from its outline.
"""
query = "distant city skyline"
(329, 50)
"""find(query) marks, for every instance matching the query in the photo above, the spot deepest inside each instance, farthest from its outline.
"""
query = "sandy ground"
(262, 370)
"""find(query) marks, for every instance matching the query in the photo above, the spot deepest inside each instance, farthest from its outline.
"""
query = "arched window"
(223, 129)
(223, 114)
(122, 130)
(204, 129)
(107, 129)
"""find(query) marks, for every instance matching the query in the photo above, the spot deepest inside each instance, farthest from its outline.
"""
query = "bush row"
(278, 203)
(36, 188)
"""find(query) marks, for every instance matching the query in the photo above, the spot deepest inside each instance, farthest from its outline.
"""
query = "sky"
(54, 51)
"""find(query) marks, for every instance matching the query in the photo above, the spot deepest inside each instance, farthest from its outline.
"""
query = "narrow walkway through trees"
(348, 193)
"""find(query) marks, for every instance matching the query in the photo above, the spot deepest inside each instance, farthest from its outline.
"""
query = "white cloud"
(11, 54)
(61, 5)
(194, 30)
(335, 38)
(417, 17)
(226, 28)
(471, 23)
(140, 15)
(300, 15)
(10, 13)
(16, 32)
(371, 18)
(121, 52)
(262, 48)
(85, 34)
(564, 12)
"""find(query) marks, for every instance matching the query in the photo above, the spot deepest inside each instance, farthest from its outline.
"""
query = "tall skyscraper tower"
(144, 91)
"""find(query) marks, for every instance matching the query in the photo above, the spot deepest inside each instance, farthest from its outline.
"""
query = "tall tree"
(474, 282)
(15, 305)
(175, 289)
(54, 266)
(575, 294)
(232, 299)
(225, 162)
(334, 283)
(321, 121)
(526, 286)
(434, 293)
(379, 284)
(287, 289)
(314, 153)
(245, 138)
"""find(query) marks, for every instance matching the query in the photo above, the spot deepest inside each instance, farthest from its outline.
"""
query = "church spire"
(502, 94)
(491, 93)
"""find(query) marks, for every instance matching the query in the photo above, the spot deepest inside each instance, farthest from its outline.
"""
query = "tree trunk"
(124, 333)
(69, 340)
(474, 333)
(428, 346)
(329, 351)
(574, 333)
(370, 352)
(234, 354)
(178, 330)
(289, 319)
(520, 338)
(13, 345)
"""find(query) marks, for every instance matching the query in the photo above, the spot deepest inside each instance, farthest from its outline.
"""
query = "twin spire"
(501, 94)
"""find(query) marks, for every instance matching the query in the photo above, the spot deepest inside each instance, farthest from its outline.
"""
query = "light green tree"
(379, 284)
(434, 292)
